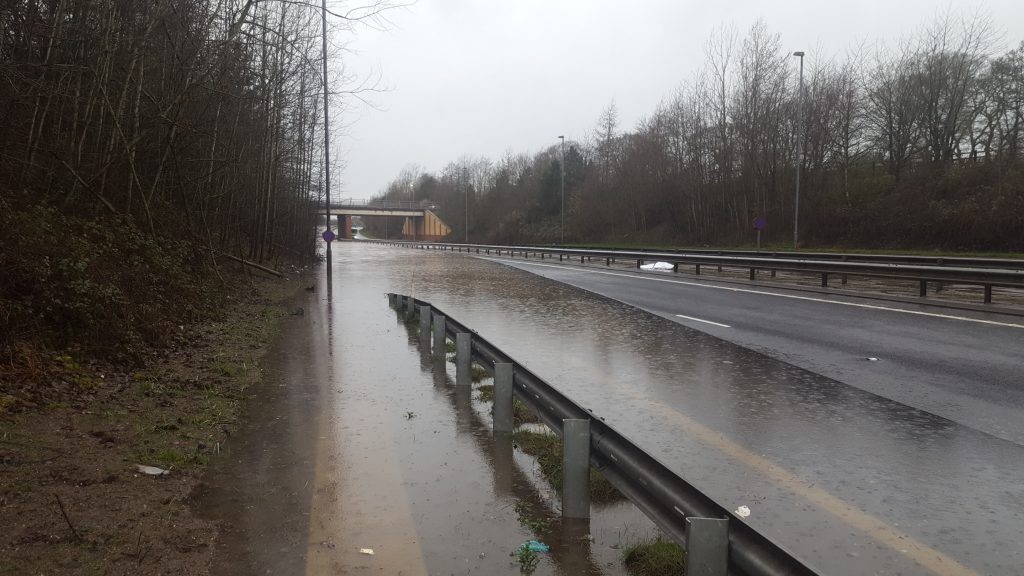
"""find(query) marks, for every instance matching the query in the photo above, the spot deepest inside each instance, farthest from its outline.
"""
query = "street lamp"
(327, 140)
(800, 151)
(561, 168)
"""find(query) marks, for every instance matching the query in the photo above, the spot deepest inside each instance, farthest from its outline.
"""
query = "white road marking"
(766, 293)
(704, 321)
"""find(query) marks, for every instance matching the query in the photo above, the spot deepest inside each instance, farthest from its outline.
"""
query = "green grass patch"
(521, 414)
(658, 557)
(478, 373)
(547, 449)
(485, 393)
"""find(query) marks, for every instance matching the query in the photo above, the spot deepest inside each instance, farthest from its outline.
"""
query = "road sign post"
(759, 224)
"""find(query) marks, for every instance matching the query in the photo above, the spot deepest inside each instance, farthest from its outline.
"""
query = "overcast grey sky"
(482, 77)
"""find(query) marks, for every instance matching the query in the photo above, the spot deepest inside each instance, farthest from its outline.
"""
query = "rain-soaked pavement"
(398, 461)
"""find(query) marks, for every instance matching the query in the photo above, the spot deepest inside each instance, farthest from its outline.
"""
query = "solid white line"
(704, 321)
(765, 293)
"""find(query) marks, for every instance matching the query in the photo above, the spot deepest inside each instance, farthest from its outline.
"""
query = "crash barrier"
(712, 535)
(987, 273)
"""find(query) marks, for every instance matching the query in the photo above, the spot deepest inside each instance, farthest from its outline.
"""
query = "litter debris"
(534, 546)
(871, 359)
(151, 470)
(742, 512)
(367, 551)
(658, 266)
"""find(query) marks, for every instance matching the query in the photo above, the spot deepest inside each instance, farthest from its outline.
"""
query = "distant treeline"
(919, 145)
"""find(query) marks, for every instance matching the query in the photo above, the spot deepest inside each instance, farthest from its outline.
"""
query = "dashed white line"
(704, 321)
(777, 295)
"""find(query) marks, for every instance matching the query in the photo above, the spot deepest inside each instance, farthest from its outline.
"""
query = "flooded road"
(850, 481)
(405, 465)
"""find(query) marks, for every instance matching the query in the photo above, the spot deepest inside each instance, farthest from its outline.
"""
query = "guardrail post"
(675, 267)
(607, 262)
(988, 293)
(463, 358)
(424, 320)
(503, 397)
(824, 279)
(559, 257)
(439, 339)
(575, 468)
(696, 269)
(753, 273)
(581, 259)
(639, 263)
(923, 289)
(707, 546)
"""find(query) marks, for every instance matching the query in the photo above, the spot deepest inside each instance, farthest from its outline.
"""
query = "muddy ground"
(71, 498)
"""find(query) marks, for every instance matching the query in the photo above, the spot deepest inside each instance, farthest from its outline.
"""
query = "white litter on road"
(151, 470)
(367, 551)
(657, 266)
(742, 512)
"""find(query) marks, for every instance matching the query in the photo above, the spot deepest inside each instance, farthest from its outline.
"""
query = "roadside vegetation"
(157, 161)
(656, 557)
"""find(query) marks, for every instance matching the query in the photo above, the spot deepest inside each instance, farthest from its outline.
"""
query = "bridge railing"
(383, 204)
(661, 494)
(974, 273)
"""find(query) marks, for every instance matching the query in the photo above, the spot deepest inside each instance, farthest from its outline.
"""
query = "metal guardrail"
(965, 261)
(661, 494)
(986, 277)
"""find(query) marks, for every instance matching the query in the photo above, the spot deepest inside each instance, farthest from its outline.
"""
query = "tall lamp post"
(327, 138)
(800, 151)
(466, 207)
(561, 165)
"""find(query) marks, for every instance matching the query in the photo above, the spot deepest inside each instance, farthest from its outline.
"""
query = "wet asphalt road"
(964, 366)
(846, 462)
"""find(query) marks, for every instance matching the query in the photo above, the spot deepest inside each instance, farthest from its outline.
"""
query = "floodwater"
(402, 463)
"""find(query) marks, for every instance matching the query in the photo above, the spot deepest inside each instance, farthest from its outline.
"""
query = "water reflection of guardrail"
(972, 273)
(688, 516)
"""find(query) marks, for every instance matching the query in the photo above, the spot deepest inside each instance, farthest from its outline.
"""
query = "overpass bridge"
(421, 223)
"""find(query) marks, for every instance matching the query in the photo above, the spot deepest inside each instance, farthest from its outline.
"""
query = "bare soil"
(71, 499)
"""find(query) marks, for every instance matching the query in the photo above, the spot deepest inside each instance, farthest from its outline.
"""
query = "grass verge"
(658, 557)
(547, 449)
(71, 499)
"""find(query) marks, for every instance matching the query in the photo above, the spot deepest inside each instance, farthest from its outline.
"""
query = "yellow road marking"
(875, 528)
